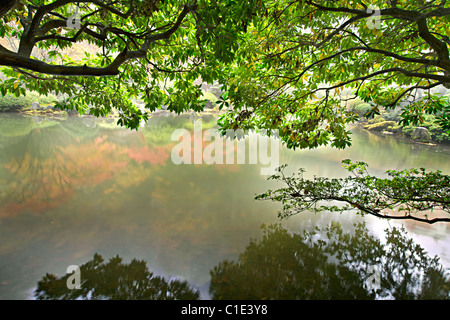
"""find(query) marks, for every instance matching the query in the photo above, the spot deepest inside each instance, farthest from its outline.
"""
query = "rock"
(421, 134)
(209, 105)
(35, 106)
(49, 107)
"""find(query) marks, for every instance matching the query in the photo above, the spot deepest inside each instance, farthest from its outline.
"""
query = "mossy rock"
(421, 134)
(380, 126)
(395, 129)
(376, 119)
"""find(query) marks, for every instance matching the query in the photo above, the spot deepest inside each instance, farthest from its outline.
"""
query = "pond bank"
(419, 135)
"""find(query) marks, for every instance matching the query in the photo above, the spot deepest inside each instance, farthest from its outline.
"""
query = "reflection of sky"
(115, 192)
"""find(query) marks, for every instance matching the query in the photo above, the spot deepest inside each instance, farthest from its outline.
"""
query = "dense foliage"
(282, 64)
(151, 50)
(302, 61)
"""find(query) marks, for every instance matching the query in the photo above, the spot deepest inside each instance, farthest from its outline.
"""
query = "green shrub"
(376, 119)
(362, 109)
(436, 131)
(9, 102)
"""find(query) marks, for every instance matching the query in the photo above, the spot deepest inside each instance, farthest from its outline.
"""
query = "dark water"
(73, 187)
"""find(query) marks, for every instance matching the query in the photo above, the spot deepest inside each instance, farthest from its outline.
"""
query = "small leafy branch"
(406, 194)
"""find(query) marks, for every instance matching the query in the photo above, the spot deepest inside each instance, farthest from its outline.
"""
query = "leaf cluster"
(404, 194)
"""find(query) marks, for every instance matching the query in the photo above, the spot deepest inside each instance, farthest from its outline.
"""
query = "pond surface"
(70, 188)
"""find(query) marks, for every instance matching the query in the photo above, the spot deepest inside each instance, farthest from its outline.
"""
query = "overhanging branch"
(20, 60)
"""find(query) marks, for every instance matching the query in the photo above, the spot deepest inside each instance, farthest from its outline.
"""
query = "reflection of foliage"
(41, 181)
(77, 127)
(11, 125)
(406, 192)
(115, 280)
(50, 164)
(159, 129)
(295, 266)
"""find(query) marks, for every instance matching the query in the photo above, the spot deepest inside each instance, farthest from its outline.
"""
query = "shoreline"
(63, 114)
(398, 136)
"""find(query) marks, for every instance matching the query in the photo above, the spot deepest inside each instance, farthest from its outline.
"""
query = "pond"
(73, 187)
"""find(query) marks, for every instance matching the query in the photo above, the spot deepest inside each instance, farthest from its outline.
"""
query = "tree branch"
(21, 60)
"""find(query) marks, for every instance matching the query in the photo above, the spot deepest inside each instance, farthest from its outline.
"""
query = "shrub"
(10, 103)
(393, 114)
(362, 109)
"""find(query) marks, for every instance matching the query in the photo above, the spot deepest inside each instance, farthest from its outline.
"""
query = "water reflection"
(69, 190)
(114, 280)
(319, 264)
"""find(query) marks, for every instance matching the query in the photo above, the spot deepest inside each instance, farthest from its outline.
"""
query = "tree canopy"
(148, 49)
(282, 64)
(303, 60)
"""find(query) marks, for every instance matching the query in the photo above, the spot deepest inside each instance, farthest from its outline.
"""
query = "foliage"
(115, 280)
(281, 64)
(9, 101)
(296, 62)
(142, 46)
(406, 194)
(362, 109)
(383, 121)
(329, 263)
(431, 124)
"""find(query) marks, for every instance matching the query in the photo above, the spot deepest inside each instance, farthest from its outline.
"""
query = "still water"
(70, 188)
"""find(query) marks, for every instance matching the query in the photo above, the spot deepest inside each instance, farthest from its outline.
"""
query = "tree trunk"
(7, 5)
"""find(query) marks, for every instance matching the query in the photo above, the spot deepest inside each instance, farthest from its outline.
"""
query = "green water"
(73, 187)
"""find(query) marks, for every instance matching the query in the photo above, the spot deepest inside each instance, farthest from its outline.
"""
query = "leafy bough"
(413, 194)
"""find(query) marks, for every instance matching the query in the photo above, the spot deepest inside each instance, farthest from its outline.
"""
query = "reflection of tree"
(159, 129)
(335, 266)
(115, 280)
(13, 126)
(45, 167)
